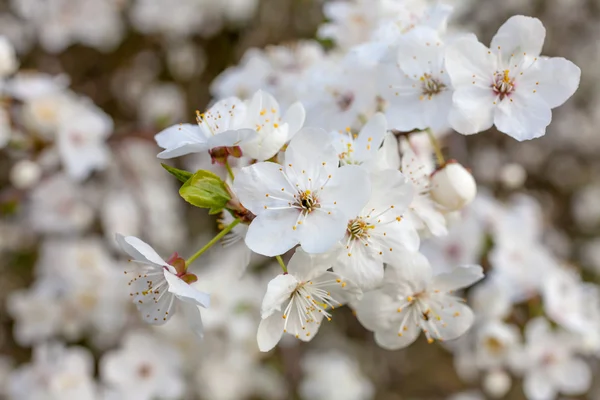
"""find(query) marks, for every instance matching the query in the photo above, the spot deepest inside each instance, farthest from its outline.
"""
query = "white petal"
(185, 292)
(388, 156)
(192, 316)
(348, 190)
(553, 79)
(252, 184)
(279, 291)
(574, 377)
(401, 237)
(157, 312)
(231, 138)
(459, 278)
(305, 266)
(520, 34)
(272, 232)
(322, 229)
(415, 56)
(139, 250)
(361, 267)
(270, 331)
(472, 110)
(342, 290)
(537, 329)
(456, 319)
(298, 326)
(370, 138)
(390, 188)
(412, 268)
(390, 339)
(311, 150)
(181, 139)
(266, 144)
(524, 118)
(469, 61)
(373, 310)
(294, 117)
(537, 386)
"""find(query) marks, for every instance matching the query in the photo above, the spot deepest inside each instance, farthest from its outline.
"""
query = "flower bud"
(496, 383)
(206, 190)
(25, 174)
(452, 186)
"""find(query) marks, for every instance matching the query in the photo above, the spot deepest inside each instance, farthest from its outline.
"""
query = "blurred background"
(139, 66)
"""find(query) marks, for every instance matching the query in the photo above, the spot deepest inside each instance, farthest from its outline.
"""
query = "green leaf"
(180, 174)
(206, 190)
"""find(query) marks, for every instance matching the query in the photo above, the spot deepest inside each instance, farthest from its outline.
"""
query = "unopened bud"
(452, 186)
(496, 383)
(25, 174)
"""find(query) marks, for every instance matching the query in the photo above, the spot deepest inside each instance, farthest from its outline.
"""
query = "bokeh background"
(148, 66)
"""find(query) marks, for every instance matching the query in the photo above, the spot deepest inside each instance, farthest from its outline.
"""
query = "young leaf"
(180, 174)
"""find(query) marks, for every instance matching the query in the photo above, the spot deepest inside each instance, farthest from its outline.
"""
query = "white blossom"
(273, 129)
(413, 300)
(220, 126)
(157, 287)
(308, 200)
(378, 233)
(510, 85)
(298, 301)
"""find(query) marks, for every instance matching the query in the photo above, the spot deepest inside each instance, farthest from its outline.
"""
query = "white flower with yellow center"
(508, 85)
(379, 233)
(306, 201)
(273, 129)
(361, 149)
(418, 87)
(296, 302)
(222, 126)
(412, 301)
(157, 287)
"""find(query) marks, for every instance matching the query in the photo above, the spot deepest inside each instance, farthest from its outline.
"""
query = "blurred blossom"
(586, 208)
(162, 105)
(55, 372)
(144, 368)
(350, 382)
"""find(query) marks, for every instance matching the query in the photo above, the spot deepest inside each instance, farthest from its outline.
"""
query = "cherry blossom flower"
(350, 382)
(55, 372)
(378, 233)
(219, 127)
(362, 149)
(273, 130)
(157, 286)
(413, 300)
(138, 374)
(309, 200)
(508, 85)
(548, 363)
(418, 87)
(297, 302)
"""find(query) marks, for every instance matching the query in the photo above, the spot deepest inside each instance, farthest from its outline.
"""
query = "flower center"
(344, 100)
(359, 229)
(494, 345)
(503, 84)
(431, 86)
(307, 201)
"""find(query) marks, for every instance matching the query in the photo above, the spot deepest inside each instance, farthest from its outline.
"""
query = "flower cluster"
(327, 170)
